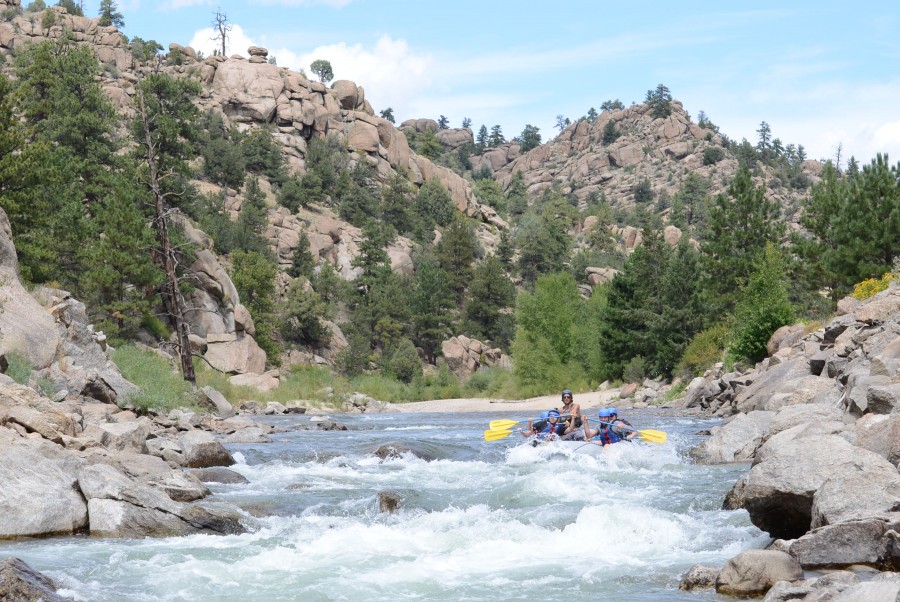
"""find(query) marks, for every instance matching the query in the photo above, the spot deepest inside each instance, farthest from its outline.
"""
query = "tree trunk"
(170, 293)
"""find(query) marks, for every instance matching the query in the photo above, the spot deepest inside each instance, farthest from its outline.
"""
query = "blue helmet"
(604, 413)
(544, 415)
(553, 414)
(613, 411)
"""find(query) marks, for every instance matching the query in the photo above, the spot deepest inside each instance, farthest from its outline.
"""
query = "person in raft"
(547, 428)
(620, 426)
(573, 420)
(604, 433)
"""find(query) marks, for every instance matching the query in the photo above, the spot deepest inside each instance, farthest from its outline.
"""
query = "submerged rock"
(21, 583)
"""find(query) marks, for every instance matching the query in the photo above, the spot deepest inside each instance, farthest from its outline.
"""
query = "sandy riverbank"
(587, 401)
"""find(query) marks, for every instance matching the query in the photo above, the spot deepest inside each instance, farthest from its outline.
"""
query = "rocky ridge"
(819, 421)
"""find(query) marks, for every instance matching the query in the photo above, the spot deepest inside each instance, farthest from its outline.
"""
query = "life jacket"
(547, 431)
(607, 436)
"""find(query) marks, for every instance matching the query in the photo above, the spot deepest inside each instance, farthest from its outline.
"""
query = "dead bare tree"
(222, 29)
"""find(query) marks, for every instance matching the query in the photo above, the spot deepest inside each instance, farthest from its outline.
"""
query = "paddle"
(497, 425)
(494, 435)
(645, 434)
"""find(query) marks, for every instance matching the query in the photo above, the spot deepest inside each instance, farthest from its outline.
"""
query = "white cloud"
(238, 41)
(392, 75)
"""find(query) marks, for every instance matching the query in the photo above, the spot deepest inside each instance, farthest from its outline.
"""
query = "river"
(482, 521)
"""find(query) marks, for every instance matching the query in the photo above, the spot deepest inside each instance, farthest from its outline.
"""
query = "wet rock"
(218, 474)
(21, 583)
(754, 572)
(389, 502)
(699, 577)
(202, 450)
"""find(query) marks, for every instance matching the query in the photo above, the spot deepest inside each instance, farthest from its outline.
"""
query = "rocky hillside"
(661, 150)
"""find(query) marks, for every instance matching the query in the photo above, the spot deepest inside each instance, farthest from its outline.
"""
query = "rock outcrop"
(818, 421)
(465, 356)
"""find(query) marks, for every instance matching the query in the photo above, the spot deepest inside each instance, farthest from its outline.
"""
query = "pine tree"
(431, 304)
(481, 141)
(456, 253)
(741, 222)
(491, 292)
(110, 15)
(763, 307)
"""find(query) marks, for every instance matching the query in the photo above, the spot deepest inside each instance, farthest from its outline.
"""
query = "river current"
(479, 521)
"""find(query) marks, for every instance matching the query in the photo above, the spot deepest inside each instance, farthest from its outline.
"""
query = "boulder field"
(819, 422)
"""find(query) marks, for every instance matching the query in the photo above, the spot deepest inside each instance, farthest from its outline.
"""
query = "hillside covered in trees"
(175, 193)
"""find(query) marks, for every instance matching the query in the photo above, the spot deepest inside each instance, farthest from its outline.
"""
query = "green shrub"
(704, 351)
(635, 370)
(403, 362)
(161, 385)
(19, 368)
(713, 154)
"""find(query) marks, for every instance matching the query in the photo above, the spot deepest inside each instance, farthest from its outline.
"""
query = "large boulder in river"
(735, 441)
(779, 490)
(203, 450)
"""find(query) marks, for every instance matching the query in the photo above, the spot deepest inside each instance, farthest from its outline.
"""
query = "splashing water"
(479, 521)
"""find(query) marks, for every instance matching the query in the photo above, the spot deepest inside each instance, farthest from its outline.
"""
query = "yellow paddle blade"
(499, 425)
(652, 436)
(491, 435)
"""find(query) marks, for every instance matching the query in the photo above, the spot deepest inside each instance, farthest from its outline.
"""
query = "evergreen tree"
(110, 15)
(763, 307)
(388, 114)
(611, 105)
(429, 145)
(322, 69)
(466, 123)
(660, 101)
(691, 203)
(481, 141)
(373, 260)
(302, 261)
(164, 129)
(302, 315)
(610, 132)
(456, 253)
(433, 205)
(592, 115)
(855, 226)
(396, 204)
(496, 138)
(253, 275)
(431, 304)
(530, 138)
(517, 195)
(741, 222)
(443, 123)
(490, 293)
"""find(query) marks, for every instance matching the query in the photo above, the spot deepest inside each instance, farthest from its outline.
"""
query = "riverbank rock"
(754, 572)
(39, 494)
(699, 577)
(21, 583)
(735, 441)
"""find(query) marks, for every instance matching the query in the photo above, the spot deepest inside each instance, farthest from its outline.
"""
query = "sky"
(821, 74)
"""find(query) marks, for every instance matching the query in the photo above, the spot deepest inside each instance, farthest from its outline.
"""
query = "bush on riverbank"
(162, 387)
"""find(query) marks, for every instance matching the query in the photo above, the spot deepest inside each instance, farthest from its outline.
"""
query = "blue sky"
(820, 73)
